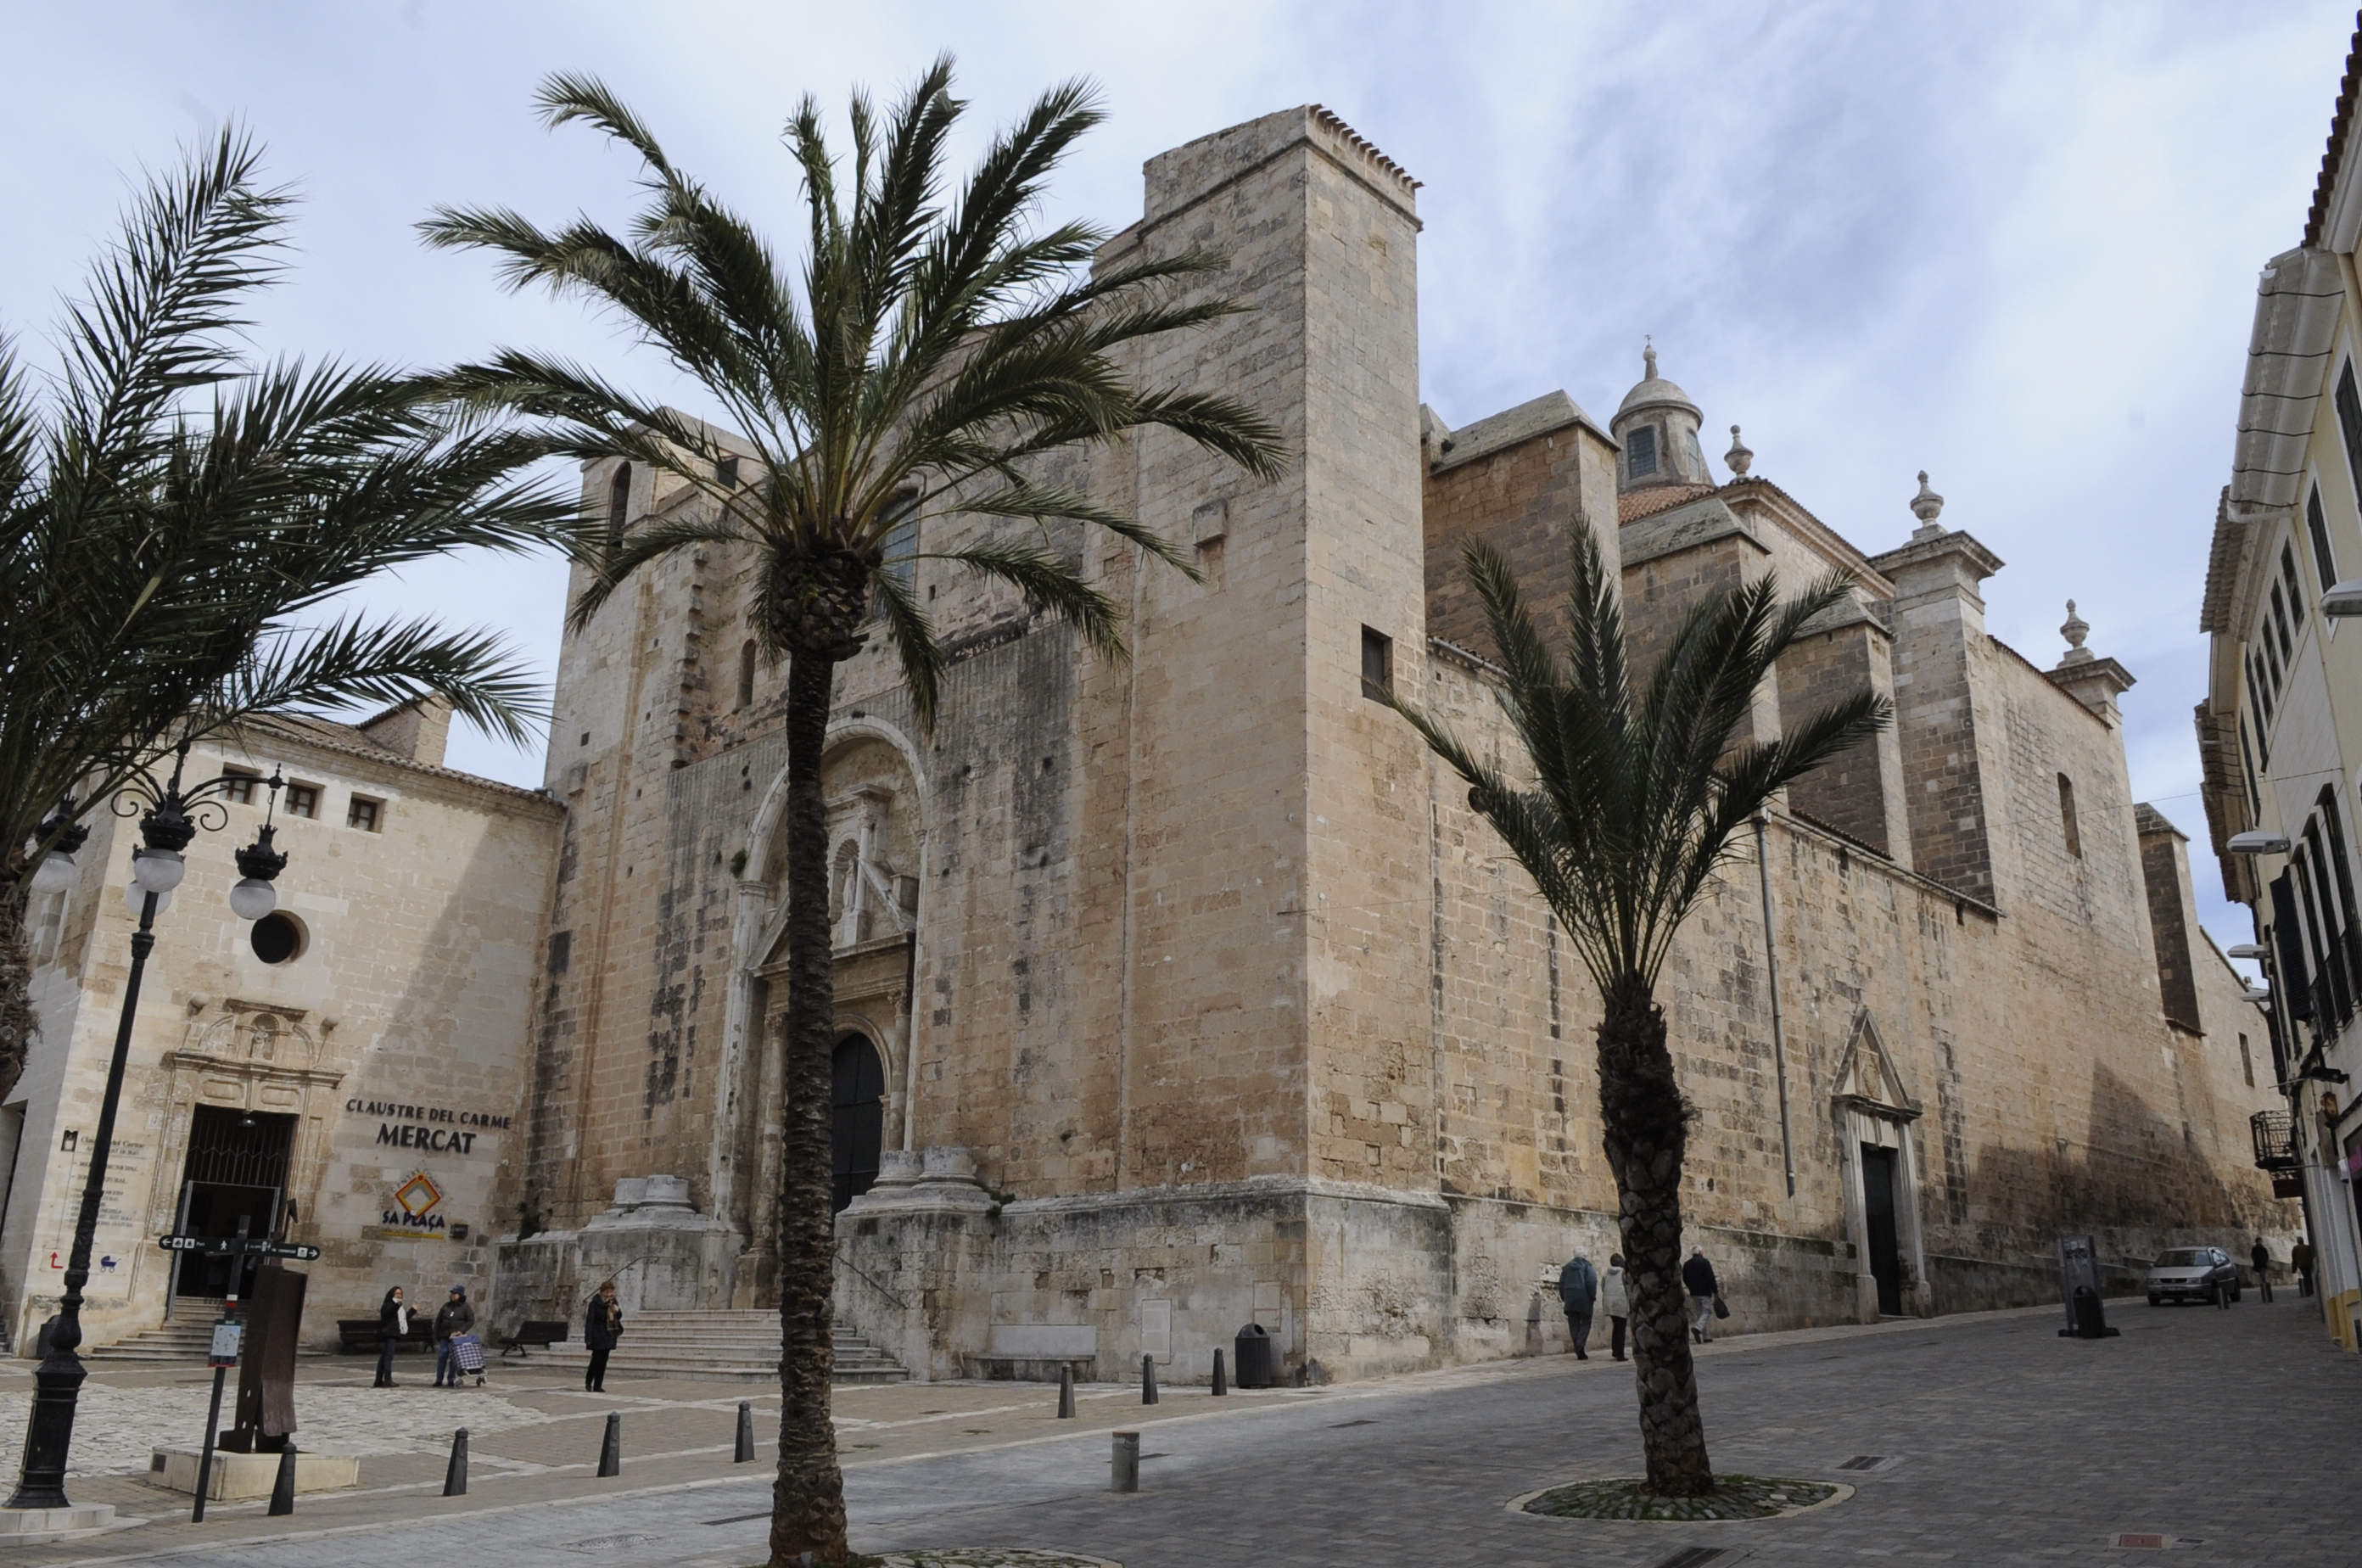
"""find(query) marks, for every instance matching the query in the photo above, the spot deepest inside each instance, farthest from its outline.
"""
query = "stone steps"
(183, 1342)
(736, 1345)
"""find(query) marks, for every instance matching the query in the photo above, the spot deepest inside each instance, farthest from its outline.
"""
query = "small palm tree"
(1634, 801)
(170, 510)
(925, 355)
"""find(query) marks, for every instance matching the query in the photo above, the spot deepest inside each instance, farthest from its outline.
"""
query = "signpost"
(229, 1334)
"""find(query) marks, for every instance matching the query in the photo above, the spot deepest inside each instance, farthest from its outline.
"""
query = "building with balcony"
(2280, 730)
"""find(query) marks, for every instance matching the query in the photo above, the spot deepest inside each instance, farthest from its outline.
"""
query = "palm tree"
(1634, 801)
(171, 509)
(926, 354)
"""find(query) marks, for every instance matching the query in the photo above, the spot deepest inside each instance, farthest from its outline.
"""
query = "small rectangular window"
(2349, 420)
(746, 673)
(2246, 1063)
(302, 800)
(2066, 817)
(1641, 451)
(1377, 663)
(240, 785)
(364, 814)
(561, 951)
(899, 551)
(2295, 586)
(725, 472)
(2324, 561)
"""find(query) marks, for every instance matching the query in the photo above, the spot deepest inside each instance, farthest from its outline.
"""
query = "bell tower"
(1657, 426)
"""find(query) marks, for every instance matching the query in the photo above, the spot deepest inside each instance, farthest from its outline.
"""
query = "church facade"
(1184, 992)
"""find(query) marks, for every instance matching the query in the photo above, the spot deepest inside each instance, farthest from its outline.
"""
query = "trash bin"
(1252, 1350)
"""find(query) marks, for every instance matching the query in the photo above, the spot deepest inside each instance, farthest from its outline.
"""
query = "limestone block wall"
(1524, 499)
(1860, 792)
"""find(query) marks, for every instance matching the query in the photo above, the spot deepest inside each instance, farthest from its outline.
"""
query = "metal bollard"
(1066, 1392)
(455, 1474)
(611, 1448)
(1221, 1387)
(1148, 1380)
(745, 1448)
(282, 1486)
(1125, 1464)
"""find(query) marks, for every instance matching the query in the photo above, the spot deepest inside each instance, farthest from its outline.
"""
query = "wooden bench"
(361, 1335)
(539, 1333)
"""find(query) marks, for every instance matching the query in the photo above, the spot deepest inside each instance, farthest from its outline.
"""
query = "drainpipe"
(1779, 1034)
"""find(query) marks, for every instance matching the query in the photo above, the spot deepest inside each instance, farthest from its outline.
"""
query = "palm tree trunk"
(808, 1498)
(1642, 1115)
(16, 985)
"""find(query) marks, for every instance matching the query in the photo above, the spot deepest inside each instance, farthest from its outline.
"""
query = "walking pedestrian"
(455, 1318)
(603, 1325)
(1697, 1278)
(1616, 1295)
(393, 1328)
(2301, 1260)
(1578, 1292)
(2262, 1258)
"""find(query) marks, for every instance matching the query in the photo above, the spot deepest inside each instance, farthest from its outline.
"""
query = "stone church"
(1184, 992)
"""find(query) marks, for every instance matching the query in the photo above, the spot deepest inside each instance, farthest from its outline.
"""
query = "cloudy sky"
(2013, 244)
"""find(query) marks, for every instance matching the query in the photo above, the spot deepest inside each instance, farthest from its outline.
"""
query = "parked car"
(2192, 1273)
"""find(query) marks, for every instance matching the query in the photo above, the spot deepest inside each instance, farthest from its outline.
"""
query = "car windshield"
(2183, 1259)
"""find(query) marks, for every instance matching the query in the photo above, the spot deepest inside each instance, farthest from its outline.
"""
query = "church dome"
(1657, 425)
(1654, 389)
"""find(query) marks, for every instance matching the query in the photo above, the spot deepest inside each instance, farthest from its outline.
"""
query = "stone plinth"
(36, 1527)
(238, 1477)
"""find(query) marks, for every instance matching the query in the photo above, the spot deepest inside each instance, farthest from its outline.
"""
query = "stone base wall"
(1350, 1283)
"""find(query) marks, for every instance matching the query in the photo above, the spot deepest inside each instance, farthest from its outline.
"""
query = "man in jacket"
(2262, 1258)
(1578, 1292)
(603, 1325)
(1697, 1278)
(455, 1318)
(2301, 1260)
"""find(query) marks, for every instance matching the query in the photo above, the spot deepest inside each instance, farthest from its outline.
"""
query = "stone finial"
(1739, 458)
(1648, 358)
(2075, 630)
(1927, 506)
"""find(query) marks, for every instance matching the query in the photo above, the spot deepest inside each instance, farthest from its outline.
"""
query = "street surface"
(2222, 1432)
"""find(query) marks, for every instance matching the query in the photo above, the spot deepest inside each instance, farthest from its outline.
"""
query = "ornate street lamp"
(169, 818)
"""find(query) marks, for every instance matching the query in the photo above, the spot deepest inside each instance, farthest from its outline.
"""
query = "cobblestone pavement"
(2228, 1433)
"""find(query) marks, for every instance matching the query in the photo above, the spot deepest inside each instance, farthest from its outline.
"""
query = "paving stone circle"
(1733, 1497)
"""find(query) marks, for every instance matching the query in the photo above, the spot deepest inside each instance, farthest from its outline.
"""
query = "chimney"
(418, 731)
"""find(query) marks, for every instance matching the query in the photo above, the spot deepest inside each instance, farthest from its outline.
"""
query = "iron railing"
(2274, 1135)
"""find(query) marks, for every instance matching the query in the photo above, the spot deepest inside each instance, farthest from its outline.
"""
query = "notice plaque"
(226, 1338)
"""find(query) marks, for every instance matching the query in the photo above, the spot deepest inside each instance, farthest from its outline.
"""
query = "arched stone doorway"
(857, 1107)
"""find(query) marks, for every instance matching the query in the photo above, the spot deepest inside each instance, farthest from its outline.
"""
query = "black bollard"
(282, 1486)
(1148, 1380)
(455, 1474)
(1221, 1387)
(1067, 1391)
(611, 1448)
(745, 1448)
(1124, 1464)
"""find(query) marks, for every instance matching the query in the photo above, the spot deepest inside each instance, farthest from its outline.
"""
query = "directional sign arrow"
(181, 1243)
(291, 1250)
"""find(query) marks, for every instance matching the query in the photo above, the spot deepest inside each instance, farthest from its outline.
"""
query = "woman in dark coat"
(603, 1325)
(392, 1327)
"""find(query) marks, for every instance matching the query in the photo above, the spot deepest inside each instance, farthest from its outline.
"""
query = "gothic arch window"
(619, 502)
(858, 1105)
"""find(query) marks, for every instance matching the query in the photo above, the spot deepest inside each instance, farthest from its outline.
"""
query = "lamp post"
(169, 818)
